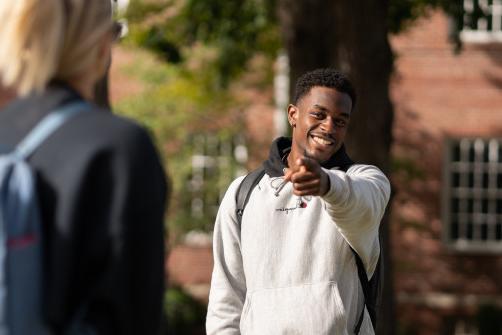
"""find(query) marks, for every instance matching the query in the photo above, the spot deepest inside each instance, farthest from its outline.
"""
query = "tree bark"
(305, 27)
(352, 36)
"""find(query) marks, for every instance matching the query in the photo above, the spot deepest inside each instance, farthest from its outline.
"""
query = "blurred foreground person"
(100, 186)
(295, 259)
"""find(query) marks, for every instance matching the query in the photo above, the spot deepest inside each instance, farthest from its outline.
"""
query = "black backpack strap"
(363, 278)
(368, 291)
(244, 190)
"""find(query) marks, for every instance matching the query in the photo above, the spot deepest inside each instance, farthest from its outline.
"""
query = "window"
(482, 21)
(215, 162)
(472, 199)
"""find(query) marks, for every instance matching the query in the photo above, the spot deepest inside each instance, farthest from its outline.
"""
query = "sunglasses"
(118, 30)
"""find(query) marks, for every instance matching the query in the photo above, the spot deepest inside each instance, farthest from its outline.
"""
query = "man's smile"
(322, 140)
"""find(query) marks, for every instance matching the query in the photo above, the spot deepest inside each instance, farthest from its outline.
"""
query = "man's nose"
(328, 125)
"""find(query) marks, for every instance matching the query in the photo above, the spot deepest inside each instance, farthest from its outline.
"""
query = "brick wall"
(438, 94)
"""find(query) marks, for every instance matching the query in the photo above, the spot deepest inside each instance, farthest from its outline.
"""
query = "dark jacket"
(102, 194)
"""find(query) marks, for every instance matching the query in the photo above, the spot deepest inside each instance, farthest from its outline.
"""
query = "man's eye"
(317, 115)
(340, 123)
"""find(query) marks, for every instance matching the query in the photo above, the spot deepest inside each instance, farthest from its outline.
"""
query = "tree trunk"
(352, 36)
(304, 24)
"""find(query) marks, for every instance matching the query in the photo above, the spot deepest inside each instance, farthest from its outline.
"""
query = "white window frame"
(481, 34)
(213, 153)
(484, 169)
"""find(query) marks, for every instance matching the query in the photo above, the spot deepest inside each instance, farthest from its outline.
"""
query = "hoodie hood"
(281, 148)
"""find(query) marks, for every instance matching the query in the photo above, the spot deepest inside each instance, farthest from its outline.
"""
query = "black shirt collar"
(280, 149)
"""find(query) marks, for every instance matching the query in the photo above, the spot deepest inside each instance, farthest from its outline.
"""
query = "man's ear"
(292, 115)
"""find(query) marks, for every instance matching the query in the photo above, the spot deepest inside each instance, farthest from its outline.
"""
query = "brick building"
(447, 212)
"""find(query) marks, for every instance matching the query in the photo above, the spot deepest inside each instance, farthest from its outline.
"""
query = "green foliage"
(402, 13)
(237, 29)
(137, 10)
(148, 29)
(234, 30)
(155, 38)
(176, 104)
(198, 48)
(407, 168)
(184, 314)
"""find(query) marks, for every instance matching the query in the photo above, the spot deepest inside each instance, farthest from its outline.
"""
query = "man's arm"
(356, 201)
(228, 283)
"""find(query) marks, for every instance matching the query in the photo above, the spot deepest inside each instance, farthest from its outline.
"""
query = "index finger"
(309, 163)
(288, 173)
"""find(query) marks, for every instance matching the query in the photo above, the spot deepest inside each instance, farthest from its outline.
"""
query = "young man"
(287, 268)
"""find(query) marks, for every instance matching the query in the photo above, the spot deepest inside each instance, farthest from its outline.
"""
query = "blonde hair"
(42, 40)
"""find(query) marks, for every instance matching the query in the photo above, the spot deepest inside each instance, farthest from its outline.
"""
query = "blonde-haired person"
(101, 187)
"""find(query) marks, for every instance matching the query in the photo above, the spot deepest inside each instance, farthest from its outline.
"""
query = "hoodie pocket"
(311, 309)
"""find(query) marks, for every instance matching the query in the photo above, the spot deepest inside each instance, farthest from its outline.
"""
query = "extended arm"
(356, 201)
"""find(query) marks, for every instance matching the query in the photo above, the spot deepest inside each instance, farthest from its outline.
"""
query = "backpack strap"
(365, 285)
(244, 190)
(46, 127)
(20, 229)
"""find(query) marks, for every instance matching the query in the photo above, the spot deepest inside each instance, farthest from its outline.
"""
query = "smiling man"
(288, 263)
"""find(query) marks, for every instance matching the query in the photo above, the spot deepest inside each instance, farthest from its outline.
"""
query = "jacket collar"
(281, 148)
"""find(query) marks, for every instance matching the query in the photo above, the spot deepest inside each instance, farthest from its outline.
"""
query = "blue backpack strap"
(20, 230)
(47, 126)
(244, 190)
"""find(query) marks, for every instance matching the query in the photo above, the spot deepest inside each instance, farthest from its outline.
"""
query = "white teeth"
(321, 140)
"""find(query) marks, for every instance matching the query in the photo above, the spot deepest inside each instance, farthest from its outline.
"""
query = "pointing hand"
(307, 177)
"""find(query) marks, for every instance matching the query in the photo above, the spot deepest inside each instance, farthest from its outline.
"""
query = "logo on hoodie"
(301, 202)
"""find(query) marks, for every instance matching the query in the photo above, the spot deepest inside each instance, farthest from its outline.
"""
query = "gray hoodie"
(289, 268)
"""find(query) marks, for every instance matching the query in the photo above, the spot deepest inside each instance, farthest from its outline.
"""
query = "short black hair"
(324, 78)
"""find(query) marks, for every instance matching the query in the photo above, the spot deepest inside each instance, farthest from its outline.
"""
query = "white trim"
(481, 34)
(476, 36)
(475, 246)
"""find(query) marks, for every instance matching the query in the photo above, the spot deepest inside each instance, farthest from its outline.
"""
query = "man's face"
(320, 120)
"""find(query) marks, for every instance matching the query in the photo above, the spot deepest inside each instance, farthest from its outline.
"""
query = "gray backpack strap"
(244, 190)
(47, 126)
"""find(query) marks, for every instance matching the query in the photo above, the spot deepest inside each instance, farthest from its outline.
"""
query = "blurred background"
(211, 80)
